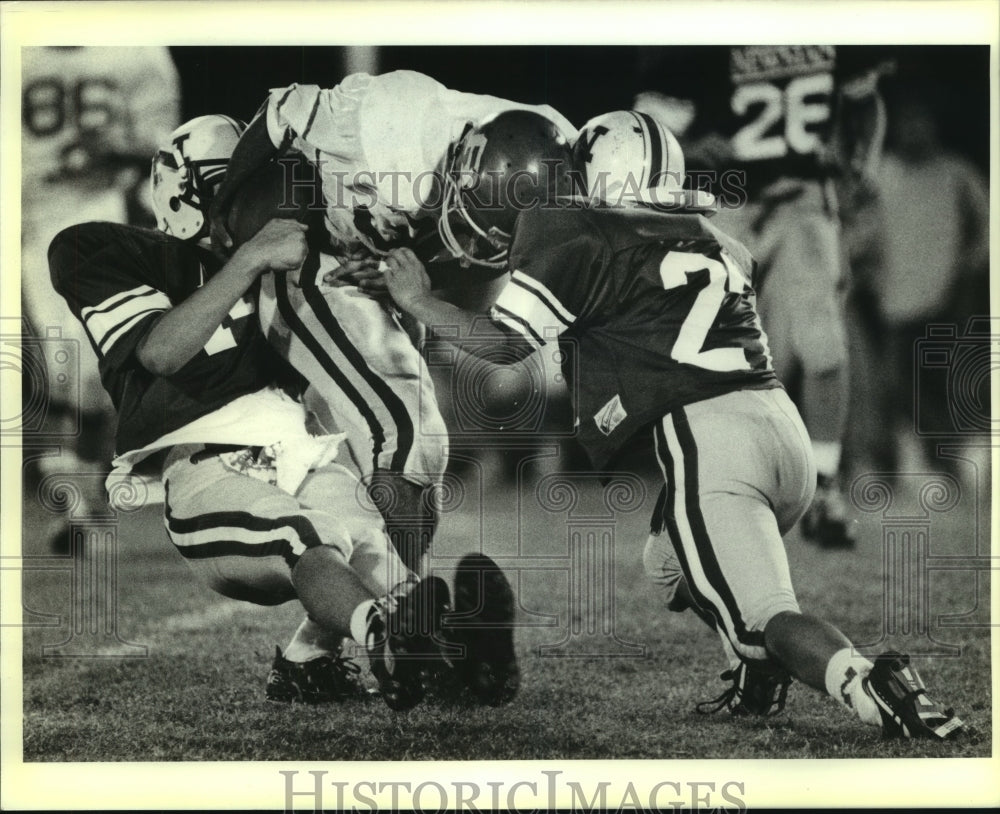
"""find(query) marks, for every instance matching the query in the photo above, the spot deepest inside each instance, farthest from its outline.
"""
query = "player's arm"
(410, 288)
(180, 332)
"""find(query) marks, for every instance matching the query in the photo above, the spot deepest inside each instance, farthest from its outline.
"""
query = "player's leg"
(410, 512)
(251, 541)
(415, 627)
(802, 309)
(738, 471)
(366, 379)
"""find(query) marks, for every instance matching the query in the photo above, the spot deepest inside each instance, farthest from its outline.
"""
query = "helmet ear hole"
(174, 203)
(500, 167)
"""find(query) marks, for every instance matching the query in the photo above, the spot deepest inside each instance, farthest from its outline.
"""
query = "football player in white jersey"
(91, 117)
(383, 146)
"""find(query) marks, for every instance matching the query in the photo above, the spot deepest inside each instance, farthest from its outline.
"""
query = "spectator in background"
(90, 119)
(936, 253)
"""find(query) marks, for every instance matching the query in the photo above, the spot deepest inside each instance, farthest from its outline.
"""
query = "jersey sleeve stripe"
(105, 325)
(116, 300)
(510, 321)
(520, 306)
(113, 336)
(312, 117)
(545, 296)
(288, 92)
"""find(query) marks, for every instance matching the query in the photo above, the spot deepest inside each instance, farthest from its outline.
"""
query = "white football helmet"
(187, 171)
(627, 155)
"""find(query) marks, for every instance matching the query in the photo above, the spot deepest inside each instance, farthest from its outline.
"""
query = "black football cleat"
(404, 643)
(757, 689)
(323, 680)
(827, 520)
(901, 697)
(482, 628)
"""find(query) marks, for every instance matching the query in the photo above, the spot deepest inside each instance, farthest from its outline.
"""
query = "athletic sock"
(359, 620)
(827, 456)
(845, 673)
(727, 647)
(311, 641)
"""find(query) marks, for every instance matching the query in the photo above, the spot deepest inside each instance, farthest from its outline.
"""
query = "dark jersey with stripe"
(655, 310)
(117, 280)
(776, 104)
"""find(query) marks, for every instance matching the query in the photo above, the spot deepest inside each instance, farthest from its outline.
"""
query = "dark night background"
(580, 81)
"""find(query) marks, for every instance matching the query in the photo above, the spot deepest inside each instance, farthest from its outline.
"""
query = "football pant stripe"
(669, 520)
(228, 532)
(236, 548)
(383, 396)
(694, 533)
(318, 352)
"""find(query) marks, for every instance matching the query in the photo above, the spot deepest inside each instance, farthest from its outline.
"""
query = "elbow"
(159, 365)
(156, 358)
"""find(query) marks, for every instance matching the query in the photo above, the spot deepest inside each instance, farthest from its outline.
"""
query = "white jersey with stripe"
(366, 378)
(378, 141)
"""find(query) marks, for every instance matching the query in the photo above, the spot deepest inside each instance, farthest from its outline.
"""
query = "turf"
(626, 690)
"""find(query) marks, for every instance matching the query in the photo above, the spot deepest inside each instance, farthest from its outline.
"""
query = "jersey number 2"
(682, 268)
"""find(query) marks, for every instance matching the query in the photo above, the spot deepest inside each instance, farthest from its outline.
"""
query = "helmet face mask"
(186, 173)
(504, 165)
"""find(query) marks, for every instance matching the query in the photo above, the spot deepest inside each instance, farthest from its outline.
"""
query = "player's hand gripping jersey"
(656, 311)
(380, 143)
(366, 378)
(117, 280)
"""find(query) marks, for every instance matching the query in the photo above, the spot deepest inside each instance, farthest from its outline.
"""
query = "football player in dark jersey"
(659, 311)
(768, 122)
(256, 505)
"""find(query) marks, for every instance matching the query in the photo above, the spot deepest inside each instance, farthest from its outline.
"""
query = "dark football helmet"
(514, 161)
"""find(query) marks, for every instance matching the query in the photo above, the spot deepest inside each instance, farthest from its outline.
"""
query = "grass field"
(197, 693)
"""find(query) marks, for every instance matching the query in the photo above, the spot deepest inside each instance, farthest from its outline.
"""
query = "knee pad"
(662, 565)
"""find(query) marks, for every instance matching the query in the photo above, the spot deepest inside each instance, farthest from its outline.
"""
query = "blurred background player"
(661, 309)
(775, 116)
(383, 146)
(254, 503)
(90, 119)
(934, 268)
